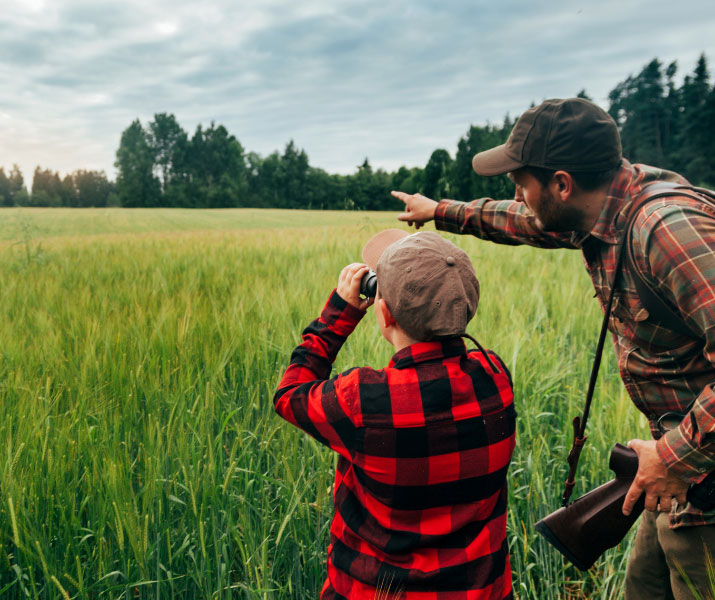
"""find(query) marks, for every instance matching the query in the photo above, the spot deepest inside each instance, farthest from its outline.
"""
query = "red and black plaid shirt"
(674, 248)
(420, 489)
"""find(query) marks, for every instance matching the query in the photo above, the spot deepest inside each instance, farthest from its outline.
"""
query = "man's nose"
(519, 193)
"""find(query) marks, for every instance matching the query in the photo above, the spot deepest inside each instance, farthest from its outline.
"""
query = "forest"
(160, 165)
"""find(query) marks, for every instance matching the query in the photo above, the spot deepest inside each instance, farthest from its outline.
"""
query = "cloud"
(390, 79)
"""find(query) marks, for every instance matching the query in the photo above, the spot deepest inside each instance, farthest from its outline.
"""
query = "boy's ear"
(384, 314)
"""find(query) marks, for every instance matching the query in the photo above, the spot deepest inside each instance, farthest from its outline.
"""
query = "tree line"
(160, 165)
(78, 189)
(667, 126)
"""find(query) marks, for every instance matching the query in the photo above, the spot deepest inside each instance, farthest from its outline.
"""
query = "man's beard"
(555, 216)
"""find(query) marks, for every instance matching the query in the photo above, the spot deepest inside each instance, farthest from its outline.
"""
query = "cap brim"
(494, 162)
(373, 250)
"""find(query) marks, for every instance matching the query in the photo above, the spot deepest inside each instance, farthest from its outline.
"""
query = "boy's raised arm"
(306, 396)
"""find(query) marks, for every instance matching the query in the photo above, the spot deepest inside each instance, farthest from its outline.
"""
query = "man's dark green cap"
(572, 135)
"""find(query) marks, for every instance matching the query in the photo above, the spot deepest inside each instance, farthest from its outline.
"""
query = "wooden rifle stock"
(587, 527)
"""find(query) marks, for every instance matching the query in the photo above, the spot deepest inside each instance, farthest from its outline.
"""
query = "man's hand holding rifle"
(653, 479)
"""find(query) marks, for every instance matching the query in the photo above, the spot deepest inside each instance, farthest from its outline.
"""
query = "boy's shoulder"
(422, 393)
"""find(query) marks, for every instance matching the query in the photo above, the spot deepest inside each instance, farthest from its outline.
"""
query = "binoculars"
(368, 284)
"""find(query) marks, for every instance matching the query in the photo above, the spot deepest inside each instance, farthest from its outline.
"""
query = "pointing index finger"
(401, 196)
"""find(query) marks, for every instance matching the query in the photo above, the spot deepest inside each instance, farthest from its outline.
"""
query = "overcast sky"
(391, 80)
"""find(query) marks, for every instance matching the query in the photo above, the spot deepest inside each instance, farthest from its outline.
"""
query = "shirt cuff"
(447, 215)
(688, 462)
(340, 316)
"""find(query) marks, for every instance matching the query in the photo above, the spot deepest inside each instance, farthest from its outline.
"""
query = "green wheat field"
(139, 352)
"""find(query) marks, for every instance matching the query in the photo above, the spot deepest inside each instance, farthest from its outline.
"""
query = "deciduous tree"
(136, 183)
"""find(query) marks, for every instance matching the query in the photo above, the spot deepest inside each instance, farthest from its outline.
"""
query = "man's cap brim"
(494, 162)
(374, 248)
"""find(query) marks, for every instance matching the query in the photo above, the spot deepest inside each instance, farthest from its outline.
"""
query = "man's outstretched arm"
(501, 221)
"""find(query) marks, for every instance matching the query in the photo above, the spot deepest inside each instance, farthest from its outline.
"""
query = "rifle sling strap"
(579, 424)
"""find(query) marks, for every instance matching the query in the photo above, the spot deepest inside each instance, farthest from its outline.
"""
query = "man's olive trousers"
(660, 556)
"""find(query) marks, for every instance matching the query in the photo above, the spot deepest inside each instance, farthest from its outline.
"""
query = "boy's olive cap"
(428, 283)
(572, 134)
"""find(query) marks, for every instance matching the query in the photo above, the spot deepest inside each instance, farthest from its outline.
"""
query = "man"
(573, 190)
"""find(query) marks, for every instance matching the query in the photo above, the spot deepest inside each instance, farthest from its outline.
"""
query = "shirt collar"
(628, 182)
(428, 351)
(605, 228)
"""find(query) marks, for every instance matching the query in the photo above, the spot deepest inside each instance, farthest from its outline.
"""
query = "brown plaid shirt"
(674, 248)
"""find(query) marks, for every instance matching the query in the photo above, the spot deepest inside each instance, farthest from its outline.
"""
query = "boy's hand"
(418, 208)
(349, 285)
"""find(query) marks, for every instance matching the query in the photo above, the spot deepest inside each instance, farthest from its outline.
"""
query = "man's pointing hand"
(418, 208)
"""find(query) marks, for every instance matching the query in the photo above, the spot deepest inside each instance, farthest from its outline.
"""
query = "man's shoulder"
(643, 175)
(669, 232)
(675, 200)
(670, 212)
(633, 180)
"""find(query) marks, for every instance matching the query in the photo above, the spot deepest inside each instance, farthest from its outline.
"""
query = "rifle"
(587, 527)
(590, 525)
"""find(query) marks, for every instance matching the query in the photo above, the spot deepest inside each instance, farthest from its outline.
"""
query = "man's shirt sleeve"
(501, 221)
(680, 246)
(306, 396)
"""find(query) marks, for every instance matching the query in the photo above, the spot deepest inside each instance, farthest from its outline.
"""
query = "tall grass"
(139, 353)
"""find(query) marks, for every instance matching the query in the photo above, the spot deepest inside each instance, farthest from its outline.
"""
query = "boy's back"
(420, 488)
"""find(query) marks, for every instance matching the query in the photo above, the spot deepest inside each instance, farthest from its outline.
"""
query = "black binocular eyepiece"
(368, 284)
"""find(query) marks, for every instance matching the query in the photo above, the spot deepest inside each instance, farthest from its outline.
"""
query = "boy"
(420, 489)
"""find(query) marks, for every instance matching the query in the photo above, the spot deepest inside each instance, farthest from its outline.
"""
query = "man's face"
(551, 214)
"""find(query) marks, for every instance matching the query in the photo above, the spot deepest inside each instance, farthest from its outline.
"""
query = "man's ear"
(384, 314)
(563, 185)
